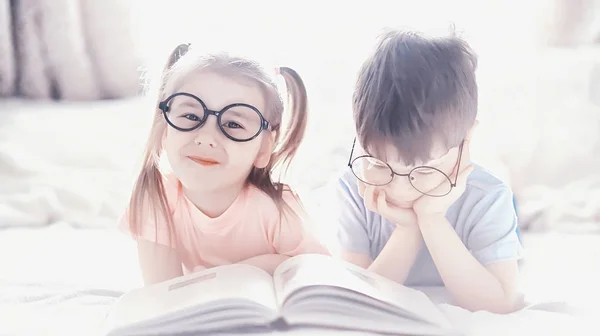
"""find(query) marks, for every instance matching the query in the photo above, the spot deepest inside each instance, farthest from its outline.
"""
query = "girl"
(218, 122)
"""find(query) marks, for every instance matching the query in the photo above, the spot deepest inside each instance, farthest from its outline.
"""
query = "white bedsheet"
(61, 281)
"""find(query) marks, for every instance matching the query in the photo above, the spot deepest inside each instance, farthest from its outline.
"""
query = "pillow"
(7, 60)
(62, 32)
(33, 78)
(111, 45)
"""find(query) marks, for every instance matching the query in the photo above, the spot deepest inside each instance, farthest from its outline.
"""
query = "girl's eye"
(232, 124)
(191, 117)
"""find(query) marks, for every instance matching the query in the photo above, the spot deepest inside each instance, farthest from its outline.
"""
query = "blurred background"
(73, 121)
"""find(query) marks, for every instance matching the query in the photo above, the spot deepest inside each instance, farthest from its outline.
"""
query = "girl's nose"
(207, 134)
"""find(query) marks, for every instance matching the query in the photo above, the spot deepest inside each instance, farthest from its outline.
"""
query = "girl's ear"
(266, 150)
(162, 135)
(163, 139)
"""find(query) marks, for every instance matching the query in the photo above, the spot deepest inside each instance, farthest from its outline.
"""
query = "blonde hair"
(148, 197)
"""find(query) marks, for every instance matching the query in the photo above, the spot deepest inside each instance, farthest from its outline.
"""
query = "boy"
(414, 207)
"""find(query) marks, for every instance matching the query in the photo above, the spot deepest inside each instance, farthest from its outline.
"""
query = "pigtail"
(177, 53)
(148, 199)
(292, 134)
(175, 56)
(289, 140)
(298, 108)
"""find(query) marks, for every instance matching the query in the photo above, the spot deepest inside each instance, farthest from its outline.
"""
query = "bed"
(63, 264)
(60, 280)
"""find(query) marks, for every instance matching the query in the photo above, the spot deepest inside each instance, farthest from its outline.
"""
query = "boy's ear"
(470, 132)
(265, 152)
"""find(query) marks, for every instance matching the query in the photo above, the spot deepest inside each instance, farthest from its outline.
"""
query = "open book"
(312, 291)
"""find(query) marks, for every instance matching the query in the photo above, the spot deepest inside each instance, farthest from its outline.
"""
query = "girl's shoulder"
(260, 201)
(287, 194)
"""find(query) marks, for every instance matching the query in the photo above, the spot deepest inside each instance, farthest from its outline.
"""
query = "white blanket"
(62, 281)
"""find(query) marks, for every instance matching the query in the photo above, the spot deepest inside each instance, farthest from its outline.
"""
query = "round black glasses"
(373, 171)
(239, 122)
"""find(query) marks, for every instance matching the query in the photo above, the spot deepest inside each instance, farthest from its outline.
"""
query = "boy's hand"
(430, 207)
(376, 202)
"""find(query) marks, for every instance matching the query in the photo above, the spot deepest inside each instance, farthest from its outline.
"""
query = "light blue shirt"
(483, 217)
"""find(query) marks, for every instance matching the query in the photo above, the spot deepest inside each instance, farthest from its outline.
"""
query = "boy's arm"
(473, 286)
(492, 242)
(398, 255)
(395, 260)
(400, 251)
(349, 216)
(359, 259)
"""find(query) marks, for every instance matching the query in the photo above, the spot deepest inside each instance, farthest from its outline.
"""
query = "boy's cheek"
(395, 195)
(403, 204)
(401, 197)
(361, 188)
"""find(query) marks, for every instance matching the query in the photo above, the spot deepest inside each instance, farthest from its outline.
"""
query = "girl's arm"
(158, 262)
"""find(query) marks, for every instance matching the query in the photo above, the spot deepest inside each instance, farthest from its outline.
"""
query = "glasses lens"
(185, 112)
(241, 122)
(372, 171)
(430, 181)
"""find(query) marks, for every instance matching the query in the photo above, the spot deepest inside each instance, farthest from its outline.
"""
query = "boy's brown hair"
(414, 91)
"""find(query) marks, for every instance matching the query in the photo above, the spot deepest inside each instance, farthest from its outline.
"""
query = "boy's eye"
(425, 171)
(375, 163)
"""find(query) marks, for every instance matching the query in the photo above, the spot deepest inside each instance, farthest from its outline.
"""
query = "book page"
(310, 270)
(317, 270)
(220, 284)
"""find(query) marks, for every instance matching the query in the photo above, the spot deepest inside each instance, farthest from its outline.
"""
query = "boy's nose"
(401, 183)
(401, 189)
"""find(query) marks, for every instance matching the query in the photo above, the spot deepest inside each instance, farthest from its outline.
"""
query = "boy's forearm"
(469, 282)
(398, 255)
(267, 262)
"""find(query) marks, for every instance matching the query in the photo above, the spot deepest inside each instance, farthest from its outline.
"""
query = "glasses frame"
(393, 173)
(164, 107)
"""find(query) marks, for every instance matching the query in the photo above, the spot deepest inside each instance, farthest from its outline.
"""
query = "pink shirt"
(250, 227)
